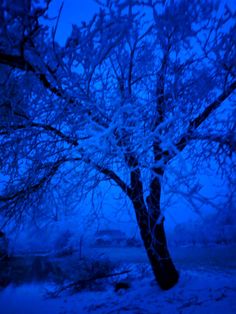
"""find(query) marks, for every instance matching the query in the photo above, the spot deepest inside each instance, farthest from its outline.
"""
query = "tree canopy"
(130, 90)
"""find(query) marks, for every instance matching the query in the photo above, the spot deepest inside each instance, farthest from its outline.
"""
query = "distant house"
(134, 242)
(110, 237)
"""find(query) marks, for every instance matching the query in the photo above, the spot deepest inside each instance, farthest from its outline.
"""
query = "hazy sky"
(76, 11)
(73, 12)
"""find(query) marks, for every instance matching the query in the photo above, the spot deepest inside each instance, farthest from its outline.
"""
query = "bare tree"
(131, 89)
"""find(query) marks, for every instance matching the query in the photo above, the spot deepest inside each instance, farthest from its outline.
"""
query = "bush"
(89, 270)
(3, 245)
(96, 267)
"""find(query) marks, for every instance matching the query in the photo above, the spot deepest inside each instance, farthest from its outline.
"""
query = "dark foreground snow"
(200, 291)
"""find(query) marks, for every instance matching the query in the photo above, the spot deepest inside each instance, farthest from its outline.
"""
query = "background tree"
(130, 90)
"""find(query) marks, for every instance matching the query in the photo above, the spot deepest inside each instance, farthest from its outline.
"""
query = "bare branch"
(21, 63)
(46, 127)
(195, 123)
(113, 176)
(35, 187)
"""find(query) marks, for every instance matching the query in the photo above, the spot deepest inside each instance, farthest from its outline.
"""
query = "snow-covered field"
(197, 292)
(203, 289)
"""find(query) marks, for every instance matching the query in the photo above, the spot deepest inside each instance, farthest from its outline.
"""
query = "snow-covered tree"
(140, 84)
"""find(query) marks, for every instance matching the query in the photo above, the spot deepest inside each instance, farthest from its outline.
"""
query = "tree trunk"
(155, 243)
(159, 256)
(151, 225)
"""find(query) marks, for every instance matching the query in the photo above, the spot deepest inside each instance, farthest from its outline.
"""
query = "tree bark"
(155, 243)
(151, 225)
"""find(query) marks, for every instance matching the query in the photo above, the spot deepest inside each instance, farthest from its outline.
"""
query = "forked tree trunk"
(155, 243)
(151, 225)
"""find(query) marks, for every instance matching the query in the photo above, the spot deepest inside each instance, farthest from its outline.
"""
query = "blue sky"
(76, 11)
(73, 12)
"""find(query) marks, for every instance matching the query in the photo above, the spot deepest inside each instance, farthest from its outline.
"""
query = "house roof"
(110, 232)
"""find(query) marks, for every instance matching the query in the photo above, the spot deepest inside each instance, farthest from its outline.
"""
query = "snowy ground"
(205, 289)
(197, 292)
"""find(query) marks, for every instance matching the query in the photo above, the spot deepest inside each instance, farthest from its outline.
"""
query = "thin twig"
(81, 282)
